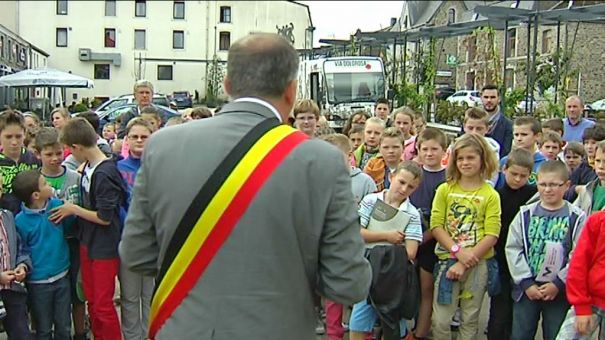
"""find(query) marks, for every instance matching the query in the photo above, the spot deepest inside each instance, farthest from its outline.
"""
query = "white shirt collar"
(261, 102)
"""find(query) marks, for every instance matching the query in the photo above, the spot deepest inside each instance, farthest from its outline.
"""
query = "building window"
(164, 72)
(62, 7)
(451, 16)
(224, 41)
(178, 39)
(140, 8)
(110, 37)
(546, 41)
(101, 71)
(61, 37)
(512, 43)
(178, 10)
(139, 39)
(110, 8)
(225, 14)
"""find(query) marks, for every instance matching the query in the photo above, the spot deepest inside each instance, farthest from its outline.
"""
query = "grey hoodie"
(361, 184)
(517, 248)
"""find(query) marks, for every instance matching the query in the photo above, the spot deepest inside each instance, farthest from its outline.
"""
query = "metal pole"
(557, 61)
(503, 93)
(394, 68)
(527, 65)
(405, 59)
(418, 60)
(534, 66)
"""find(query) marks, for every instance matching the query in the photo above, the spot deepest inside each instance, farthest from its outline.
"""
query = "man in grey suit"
(299, 236)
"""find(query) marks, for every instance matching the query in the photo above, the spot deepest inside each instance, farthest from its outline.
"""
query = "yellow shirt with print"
(467, 216)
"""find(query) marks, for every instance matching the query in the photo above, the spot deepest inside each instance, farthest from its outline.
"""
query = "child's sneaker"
(455, 324)
(2, 310)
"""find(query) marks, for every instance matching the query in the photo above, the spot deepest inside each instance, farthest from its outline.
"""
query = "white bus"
(342, 85)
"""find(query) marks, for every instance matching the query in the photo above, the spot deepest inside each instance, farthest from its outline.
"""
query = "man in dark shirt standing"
(500, 127)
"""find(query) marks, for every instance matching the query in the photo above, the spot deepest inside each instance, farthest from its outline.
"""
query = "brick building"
(463, 62)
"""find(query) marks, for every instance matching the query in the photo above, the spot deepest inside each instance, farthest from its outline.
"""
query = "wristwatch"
(454, 250)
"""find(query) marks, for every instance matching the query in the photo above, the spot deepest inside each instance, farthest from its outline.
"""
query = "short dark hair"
(489, 87)
(78, 131)
(201, 113)
(261, 65)
(554, 166)
(10, 117)
(46, 137)
(578, 149)
(25, 184)
(382, 100)
(595, 132)
(555, 124)
(431, 133)
(522, 158)
(533, 123)
(92, 118)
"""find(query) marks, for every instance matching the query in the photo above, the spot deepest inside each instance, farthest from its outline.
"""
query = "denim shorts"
(364, 316)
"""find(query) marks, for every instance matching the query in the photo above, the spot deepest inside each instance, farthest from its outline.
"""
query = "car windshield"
(354, 87)
(180, 94)
(160, 101)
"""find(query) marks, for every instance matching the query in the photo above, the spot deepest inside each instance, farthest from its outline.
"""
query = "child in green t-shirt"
(465, 221)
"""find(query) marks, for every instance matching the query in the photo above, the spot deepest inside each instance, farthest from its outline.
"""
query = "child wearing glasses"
(135, 290)
(539, 242)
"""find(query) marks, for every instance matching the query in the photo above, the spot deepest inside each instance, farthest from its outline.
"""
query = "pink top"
(409, 149)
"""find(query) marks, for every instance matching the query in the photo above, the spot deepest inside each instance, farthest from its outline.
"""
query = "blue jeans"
(526, 314)
(51, 306)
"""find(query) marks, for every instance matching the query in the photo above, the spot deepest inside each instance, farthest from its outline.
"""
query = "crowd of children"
(506, 225)
(524, 227)
(65, 194)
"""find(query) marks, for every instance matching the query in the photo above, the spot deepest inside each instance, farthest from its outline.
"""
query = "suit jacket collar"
(252, 105)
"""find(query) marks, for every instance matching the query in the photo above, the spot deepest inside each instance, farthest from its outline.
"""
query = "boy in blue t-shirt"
(48, 283)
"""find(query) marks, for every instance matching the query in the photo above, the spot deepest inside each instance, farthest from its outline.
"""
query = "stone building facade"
(471, 67)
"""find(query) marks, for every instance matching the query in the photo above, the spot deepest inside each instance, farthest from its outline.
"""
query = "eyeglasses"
(137, 137)
(550, 185)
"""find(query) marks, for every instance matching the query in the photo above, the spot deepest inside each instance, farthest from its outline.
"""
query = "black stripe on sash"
(208, 190)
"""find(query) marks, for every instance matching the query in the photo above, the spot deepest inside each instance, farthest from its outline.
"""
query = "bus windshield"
(354, 87)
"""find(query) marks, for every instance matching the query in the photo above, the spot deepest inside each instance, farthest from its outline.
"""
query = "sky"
(339, 19)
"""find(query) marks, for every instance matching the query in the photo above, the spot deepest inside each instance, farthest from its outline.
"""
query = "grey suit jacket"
(300, 234)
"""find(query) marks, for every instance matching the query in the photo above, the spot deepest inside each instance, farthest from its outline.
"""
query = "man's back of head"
(261, 65)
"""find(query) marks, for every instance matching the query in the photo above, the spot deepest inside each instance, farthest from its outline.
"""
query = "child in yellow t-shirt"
(465, 221)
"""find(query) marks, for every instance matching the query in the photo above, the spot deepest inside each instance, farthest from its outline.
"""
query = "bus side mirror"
(390, 94)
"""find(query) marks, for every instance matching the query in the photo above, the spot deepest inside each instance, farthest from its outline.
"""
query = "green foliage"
(450, 113)
(511, 101)
(80, 107)
(406, 94)
(215, 79)
(96, 102)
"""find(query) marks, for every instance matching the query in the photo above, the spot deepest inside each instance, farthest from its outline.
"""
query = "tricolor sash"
(215, 211)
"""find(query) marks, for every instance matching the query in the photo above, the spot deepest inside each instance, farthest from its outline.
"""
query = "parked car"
(112, 114)
(599, 105)
(182, 99)
(469, 97)
(443, 92)
(127, 99)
